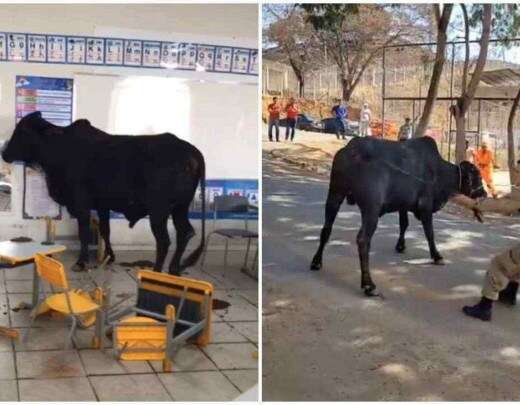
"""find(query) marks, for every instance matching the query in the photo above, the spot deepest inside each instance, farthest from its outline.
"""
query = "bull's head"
(471, 181)
(25, 141)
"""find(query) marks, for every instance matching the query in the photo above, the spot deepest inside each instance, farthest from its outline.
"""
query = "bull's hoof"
(400, 247)
(438, 261)
(79, 267)
(370, 291)
(315, 266)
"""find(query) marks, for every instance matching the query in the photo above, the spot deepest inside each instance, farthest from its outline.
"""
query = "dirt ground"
(323, 340)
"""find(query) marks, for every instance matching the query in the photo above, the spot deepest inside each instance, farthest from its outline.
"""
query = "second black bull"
(87, 169)
(384, 176)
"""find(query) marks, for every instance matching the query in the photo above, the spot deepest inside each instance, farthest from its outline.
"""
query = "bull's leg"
(184, 232)
(364, 237)
(83, 218)
(159, 225)
(104, 230)
(334, 200)
(403, 226)
(427, 222)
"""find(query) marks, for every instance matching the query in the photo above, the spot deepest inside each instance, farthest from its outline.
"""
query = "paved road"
(323, 340)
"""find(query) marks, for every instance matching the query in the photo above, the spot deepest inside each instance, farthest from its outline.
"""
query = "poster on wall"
(114, 52)
(53, 97)
(16, 47)
(133, 53)
(95, 51)
(170, 55)
(151, 54)
(187, 56)
(36, 48)
(223, 59)
(206, 56)
(75, 50)
(240, 61)
(3, 46)
(56, 49)
(253, 64)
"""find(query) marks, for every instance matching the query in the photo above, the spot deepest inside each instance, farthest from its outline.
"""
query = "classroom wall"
(216, 112)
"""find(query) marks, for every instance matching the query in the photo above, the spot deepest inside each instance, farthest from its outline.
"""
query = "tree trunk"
(346, 90)
(301, 86)
(460, 135)
(466, 98)
(511, 141)
(440, 57)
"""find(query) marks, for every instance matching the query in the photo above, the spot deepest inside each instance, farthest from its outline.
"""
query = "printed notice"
(133, 53)
(75, 50)
(3, 46)
(16, 47)
(170, 55)
(37, 202)
(223, 59)
(206, 56)
(55, 49)
(240, 61)
(36, 48)
(151, 54)
(253, 64)
(187, 56)
(95, 51)
(114, 52)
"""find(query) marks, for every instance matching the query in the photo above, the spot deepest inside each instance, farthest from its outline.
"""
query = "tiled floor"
(41, 370)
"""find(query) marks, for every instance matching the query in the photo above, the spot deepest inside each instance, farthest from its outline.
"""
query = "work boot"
(508, 294)
(481, 311)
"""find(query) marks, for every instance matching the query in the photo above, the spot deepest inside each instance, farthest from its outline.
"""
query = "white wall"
(215, 112)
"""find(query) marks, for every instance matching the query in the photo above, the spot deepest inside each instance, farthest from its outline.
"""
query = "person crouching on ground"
(486, 163)
(405, 131)
(340, 112)
(500, 283)
(292, 111)
(274, 119)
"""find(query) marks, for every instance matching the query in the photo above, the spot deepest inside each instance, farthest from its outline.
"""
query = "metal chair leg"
(244, 267)
(204, 251)
(226, 253)
(71, 333)
(25, 338)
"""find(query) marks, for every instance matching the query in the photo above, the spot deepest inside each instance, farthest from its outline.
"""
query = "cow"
(383, 176)
(87, 169)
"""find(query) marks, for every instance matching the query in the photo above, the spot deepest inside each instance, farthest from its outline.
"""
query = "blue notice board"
(53, 97)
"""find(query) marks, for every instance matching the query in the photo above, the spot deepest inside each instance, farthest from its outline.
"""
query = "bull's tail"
(195, 255)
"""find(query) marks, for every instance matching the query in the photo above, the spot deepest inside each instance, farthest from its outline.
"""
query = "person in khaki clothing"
(500, 283)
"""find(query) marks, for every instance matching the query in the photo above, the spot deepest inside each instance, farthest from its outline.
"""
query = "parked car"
(329, 127)
(304, 123)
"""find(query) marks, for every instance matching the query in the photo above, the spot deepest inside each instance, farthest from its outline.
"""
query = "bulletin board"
(53, 97)
(88, 50)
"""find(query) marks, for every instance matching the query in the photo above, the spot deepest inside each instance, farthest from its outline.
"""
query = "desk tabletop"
(17, 252)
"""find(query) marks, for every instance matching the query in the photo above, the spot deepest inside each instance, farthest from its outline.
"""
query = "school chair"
(236, 205)
(73, 304)
(169, 311)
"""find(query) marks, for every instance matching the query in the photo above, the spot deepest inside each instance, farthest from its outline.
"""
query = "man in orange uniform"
(485, 163)
(291, 109)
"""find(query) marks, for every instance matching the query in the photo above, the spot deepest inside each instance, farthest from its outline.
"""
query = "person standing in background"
(292, 111)
(274, 119)
(485, 162)
(364, 120)
(405, 131)
(340, 111)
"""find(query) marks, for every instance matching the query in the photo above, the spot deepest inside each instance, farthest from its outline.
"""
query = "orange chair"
(80, 308)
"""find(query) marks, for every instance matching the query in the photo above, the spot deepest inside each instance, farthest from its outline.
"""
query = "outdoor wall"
(216, 112)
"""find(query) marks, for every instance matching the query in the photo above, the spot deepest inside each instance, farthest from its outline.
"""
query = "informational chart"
(53, 97)
(85, 50)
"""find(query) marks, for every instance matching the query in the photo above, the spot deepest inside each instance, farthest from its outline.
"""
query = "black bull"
(384, 176)
(87, 169)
